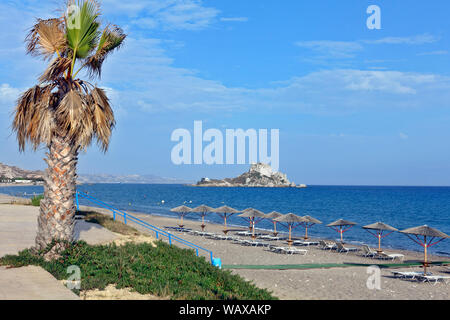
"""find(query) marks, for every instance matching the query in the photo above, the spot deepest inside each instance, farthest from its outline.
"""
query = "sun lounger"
(239, 241)
(269, 237)
(324, 245)
(409, 274)
(207, 234)
(305, 243)
(287, 250)
(392, 256)
(431, 278)
(341, 248)
(368, 252)
(292, 250)
(244, 233)
(257, 243)
(276, 249)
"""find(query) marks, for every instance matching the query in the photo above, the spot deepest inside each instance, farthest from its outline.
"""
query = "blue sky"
(353, 105)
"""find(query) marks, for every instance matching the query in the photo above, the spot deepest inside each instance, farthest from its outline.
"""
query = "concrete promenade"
(18, 226)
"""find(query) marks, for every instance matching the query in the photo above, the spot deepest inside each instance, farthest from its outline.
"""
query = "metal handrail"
(128, 217)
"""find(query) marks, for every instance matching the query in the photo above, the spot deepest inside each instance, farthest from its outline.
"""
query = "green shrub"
(36, 200)
(162, 270)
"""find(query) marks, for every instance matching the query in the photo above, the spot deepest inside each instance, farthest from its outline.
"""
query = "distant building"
(23, 181)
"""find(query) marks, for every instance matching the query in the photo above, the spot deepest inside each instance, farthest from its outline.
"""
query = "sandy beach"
(320, 283)
(307, 283)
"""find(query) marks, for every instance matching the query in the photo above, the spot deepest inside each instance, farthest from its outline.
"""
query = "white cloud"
(337, 49)
(8, 98)
(348, 49)
(164, 14)
(413, 40)
(146, 80)
(434, 53)
(403, 136)
(234, 19)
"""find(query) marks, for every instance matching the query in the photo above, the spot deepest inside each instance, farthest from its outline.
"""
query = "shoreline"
(280, 232)
(20, 185)
(415, 251)
(320, 274)
(195, 224)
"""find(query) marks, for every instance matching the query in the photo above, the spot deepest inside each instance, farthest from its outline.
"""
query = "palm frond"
(46, 38)
(82, 27)
(112, 38)
(56, 69)
(103, 117)
(33, 117)
(74, 116)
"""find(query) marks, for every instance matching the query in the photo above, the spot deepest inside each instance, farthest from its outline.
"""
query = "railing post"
(125, 217)
(211, 256)
(156, 235)
(76, 200)
(114, 215)
(196, 251)
(170, 240)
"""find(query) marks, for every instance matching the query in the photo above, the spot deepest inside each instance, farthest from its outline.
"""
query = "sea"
(400, 207)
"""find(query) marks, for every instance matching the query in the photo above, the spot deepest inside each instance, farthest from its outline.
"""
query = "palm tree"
(63, 112)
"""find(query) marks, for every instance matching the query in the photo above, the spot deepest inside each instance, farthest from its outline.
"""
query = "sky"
(353, 105)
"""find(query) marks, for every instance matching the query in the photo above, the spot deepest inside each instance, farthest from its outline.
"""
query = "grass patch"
(36, 200)
(109, 223)
(162, 271)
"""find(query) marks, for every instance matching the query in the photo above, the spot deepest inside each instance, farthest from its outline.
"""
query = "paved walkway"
(18, 226)
(32, 283)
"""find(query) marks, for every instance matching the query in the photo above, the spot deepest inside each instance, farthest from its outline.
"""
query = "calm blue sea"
(401, 207)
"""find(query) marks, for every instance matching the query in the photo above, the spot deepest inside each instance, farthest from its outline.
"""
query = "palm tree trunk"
(56, 219)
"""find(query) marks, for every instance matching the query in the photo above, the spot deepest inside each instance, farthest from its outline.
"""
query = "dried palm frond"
(34, 115)
(46, 38)
(56, 69)
(112, 38)
(103, 117)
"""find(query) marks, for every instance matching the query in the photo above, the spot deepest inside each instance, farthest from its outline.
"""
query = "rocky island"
(259, 175)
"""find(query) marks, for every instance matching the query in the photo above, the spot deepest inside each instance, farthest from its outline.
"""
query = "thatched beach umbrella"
(272, 216)
(291, 221)
(341, 226)
(203, 210)
(308, 222)
(182, 211)
(253, 216)
(380, 227)
(430, 237)
(224, 212)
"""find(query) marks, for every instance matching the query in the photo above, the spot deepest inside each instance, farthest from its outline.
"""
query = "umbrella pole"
(306, 233)
(225, 220)
(203, 223)
(181, 225)
(290, 241)
(253, 230)
(341, 232)
(275, 229)
(425, 263)
(379, 243)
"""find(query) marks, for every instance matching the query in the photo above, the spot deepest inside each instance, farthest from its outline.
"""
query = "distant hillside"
(134, 178)
(12, 172)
